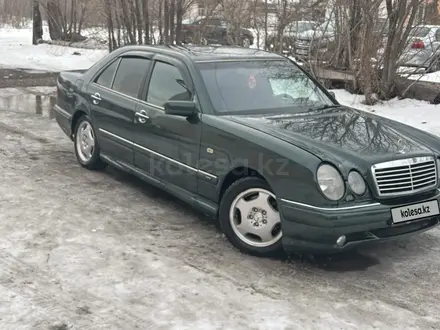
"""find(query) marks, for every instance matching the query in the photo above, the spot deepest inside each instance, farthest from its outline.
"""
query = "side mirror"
(180, 108)
(332, 94)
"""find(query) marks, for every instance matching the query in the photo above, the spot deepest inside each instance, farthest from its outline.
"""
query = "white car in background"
(290, 34)
(423, 49)
(316, 40)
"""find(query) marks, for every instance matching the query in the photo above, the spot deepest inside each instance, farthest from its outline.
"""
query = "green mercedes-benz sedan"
(248, 137)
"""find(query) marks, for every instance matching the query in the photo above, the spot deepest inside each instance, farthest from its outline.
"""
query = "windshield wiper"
(325, 107)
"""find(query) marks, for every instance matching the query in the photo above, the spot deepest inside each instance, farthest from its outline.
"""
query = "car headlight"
(357, 183)
(330, 182)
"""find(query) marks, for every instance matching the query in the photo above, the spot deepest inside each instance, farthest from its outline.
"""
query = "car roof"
(427, 26)
(207, 53)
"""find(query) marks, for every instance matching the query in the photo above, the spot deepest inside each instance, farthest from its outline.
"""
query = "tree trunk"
(54, 17)
(139, 20)
(179, 19)
(166, 19)
(110, 27)
(160, 25)
(145, 6)
(401, 16)
(37, 27)
(171, 20)
(127, 21)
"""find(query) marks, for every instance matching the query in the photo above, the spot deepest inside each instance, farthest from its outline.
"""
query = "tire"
(90, 159)
(235, 221)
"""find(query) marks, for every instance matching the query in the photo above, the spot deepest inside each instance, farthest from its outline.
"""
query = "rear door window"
(130, 75)
(105, 79)
(166, 84)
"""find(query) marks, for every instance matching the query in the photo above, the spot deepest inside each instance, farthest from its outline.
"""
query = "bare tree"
(401, 15)
(37, 23)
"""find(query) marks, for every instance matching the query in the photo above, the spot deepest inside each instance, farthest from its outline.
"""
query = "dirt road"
(101, 250)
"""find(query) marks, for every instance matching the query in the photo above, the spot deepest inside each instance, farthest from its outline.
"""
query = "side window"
(130, 75)
(214, 22)
(166, 84)
(106, 77)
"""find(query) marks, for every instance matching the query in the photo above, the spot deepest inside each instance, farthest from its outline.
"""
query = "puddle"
(31, 101)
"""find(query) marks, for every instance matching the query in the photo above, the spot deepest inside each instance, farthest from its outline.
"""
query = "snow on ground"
(420, 114)
(17, 51)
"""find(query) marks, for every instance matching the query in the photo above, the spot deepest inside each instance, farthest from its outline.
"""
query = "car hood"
(314, 34)
(341, 135)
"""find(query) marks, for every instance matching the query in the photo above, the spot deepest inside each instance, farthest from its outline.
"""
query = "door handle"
(142, 116)
(96, 98)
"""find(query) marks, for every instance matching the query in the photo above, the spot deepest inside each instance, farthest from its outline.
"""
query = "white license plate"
(415, 211)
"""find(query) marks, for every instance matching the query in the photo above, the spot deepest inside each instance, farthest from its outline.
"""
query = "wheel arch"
(238, 173)
(76, 116)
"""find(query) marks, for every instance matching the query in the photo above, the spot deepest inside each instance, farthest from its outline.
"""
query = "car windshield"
(419, 32)
(274, 86)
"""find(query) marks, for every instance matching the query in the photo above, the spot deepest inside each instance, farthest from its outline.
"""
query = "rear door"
(114, 96)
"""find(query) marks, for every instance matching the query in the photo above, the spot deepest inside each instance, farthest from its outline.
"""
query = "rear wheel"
(250, 219)
(86, 145)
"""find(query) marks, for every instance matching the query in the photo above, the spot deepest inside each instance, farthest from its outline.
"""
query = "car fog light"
(357, 183)
(341, 241)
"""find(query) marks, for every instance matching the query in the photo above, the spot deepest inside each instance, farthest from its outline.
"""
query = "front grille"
(405, 176)
(303, 43)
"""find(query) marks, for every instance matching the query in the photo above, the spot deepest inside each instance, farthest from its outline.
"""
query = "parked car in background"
(315, 41)
(289, 36)
(216, 30)
(423, 49)
(249, 138)
(321, 41)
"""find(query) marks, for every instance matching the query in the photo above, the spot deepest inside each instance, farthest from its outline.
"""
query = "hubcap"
(255, 219)
(85, 141)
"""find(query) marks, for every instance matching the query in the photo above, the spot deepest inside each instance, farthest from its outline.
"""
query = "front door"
(114, 95)
(166, 146)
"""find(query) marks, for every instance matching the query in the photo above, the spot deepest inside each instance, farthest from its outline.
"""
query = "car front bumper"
(315, 230)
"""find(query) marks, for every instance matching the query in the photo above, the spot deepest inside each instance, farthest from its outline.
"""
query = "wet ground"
(102, 250)
(26, 78)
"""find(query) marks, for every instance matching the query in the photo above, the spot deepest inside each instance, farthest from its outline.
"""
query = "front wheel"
(86, 145)
(250, 219)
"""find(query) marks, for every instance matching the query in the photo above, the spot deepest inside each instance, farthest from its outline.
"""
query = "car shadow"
(351, 261)
(161, 196)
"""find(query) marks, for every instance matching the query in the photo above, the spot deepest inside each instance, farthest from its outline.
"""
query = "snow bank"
(17, 51)
(419, 114)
